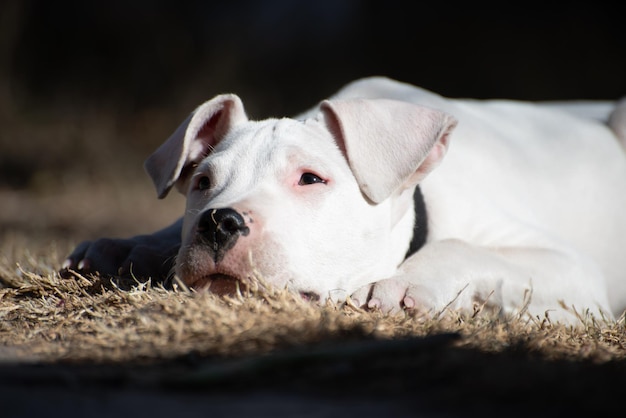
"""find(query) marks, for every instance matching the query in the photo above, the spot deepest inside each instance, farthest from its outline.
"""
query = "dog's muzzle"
(219, 229)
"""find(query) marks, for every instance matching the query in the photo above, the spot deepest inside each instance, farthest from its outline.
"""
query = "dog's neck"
(420, 226)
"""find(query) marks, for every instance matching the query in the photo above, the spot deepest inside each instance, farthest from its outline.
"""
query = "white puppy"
(355, 198)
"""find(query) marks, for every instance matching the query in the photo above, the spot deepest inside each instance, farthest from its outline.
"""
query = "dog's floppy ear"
(193, 140)
(390, 145)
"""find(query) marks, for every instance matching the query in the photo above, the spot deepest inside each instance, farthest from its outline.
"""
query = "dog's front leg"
(142, 256)
(453, 274)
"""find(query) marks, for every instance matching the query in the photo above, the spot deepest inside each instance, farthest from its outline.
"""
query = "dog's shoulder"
(379, 87)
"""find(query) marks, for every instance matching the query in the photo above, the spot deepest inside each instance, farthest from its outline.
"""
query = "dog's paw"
(142, 257)
(394, 295)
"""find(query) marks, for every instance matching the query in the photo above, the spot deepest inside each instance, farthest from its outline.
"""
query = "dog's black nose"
(220, 229)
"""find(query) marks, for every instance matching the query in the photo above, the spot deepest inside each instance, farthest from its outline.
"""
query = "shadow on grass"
(425, 376)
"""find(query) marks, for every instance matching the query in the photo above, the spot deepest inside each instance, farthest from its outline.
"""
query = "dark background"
(288, 54)
(88, 89)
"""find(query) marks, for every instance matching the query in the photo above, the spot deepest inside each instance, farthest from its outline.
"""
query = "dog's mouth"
(226, 285)
(223, 284)
(309, 296)
(220, 284)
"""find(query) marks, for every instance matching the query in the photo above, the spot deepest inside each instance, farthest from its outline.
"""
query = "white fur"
(524, 210)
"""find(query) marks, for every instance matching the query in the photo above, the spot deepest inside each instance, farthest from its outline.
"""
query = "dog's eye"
(310, 178)
(203, 183)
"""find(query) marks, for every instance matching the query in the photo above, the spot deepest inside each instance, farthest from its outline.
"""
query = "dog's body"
(524, 211)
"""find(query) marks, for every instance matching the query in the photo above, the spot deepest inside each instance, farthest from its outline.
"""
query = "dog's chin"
(220, 284)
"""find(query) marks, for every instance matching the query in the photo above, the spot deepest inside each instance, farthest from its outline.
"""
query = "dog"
(394, 197)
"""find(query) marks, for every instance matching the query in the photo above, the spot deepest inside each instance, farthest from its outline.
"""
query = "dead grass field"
(83, 339)
(121, 337)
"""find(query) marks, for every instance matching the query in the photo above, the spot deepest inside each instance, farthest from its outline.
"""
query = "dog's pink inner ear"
(205, 139)
(209, 125)
(434, 157)
(192, 141)
(207, 132)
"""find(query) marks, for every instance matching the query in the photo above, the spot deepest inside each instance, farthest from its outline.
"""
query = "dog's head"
(321, 206)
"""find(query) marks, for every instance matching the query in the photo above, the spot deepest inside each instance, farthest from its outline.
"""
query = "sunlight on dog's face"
(307, 225)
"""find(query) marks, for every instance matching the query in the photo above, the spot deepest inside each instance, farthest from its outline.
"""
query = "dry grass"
(44, 318)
